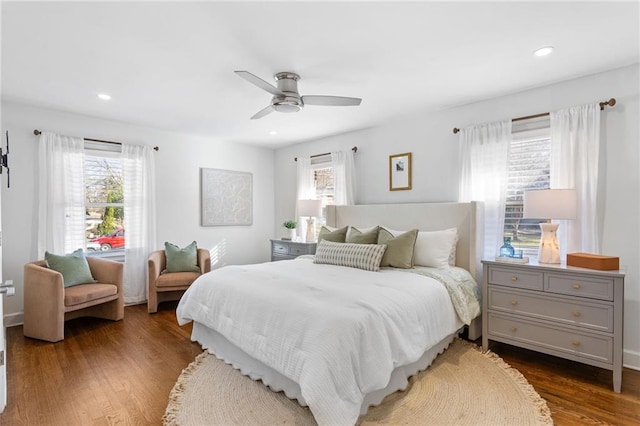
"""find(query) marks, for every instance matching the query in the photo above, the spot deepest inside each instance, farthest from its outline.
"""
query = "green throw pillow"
(73, 267)
(182, 259)
(337, 236)
(399, 251)
(357, 236)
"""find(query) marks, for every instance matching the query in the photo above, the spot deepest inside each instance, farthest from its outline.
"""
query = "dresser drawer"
(280, 248)
(516, 278)
(276, 257)
(570, 342)
(579, 285)
(298, 250)
(565, 311)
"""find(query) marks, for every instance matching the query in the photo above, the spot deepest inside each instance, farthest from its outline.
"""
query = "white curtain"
(484, 156)
(343, 177)
(61, 209)
(140, 218)
(575, 146)
(306, 190)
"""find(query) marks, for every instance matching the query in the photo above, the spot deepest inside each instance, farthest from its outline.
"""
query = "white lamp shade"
(550, 204)
(310, 208)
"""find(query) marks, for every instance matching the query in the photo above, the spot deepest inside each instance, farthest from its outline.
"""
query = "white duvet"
(336, 331)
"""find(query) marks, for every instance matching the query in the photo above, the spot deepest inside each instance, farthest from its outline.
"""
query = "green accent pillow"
(182, 259)
(357, 236)
(337, 236)
(73, 267)
(399, 251)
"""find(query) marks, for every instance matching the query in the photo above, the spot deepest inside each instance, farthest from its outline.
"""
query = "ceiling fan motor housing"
(290, 101)
(286, 97)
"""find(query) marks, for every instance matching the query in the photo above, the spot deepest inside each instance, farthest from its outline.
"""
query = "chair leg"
(113, 310)
(43, 327)
(152, 302)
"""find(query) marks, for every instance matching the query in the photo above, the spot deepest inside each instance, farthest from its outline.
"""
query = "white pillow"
(436, 249)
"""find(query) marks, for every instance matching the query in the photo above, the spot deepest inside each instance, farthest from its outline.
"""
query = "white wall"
(178, 164)
(428, 135)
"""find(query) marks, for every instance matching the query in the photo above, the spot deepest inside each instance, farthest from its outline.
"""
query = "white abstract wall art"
(226, 197)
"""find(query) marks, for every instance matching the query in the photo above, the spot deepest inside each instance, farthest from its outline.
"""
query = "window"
(104, 204)
(323, 183)
(529, 164)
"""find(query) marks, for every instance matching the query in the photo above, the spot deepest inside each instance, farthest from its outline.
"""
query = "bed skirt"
(219, 346)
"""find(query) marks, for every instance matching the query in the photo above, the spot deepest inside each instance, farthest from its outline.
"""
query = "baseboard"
(11, 320)
(631, 359)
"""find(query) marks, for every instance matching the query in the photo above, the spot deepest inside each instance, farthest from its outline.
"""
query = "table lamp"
(310, 209)
(549, 204)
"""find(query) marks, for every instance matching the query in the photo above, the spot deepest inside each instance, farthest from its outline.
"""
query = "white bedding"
(338, 332)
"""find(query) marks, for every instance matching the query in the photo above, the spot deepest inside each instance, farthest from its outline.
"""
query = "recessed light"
(273, 132)
(543, 51)
(104, 96)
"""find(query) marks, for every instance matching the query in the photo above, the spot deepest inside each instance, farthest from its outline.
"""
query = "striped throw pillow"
(361, 256)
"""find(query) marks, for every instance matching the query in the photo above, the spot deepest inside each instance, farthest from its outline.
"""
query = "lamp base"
(311, 230)
(549, 251)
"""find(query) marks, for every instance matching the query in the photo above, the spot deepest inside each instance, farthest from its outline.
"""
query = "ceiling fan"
(286, 97)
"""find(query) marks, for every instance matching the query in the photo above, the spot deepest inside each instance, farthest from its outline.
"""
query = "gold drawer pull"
(576, 313)
(514, 329)
(576, 286)
(576, 343)
(514, 302)
(514, 278)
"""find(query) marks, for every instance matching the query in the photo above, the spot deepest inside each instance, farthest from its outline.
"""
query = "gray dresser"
(569, 312)
(284, 249)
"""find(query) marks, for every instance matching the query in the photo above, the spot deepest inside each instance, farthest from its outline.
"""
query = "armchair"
(48, 304)
(171, 285)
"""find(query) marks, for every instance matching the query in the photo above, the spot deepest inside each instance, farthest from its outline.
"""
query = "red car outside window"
(112, 241)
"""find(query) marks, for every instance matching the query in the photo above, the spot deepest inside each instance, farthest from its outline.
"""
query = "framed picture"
(226, 197)
(400, 171)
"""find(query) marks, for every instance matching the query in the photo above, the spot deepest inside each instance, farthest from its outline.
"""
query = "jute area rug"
(462, 387)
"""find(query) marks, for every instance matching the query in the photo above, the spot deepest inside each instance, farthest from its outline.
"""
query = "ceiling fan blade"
(262, 112)
(259, 82)
(330, 100)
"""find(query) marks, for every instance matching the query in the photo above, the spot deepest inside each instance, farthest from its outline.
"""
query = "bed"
(334, 338)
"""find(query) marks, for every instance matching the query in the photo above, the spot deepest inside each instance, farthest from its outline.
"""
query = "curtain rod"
(611, 102)
(37, 132)
(354, 149)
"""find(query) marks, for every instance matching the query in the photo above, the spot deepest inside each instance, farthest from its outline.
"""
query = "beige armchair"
(48, 304)
(171, 285)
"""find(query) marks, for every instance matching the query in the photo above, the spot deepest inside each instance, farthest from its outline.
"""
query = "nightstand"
(560, 310)
(285, 249)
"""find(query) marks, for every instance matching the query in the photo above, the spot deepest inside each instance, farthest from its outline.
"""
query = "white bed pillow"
(361, 256)
(436, 249)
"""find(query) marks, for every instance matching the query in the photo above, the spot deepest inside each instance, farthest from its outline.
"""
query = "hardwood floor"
(103, 373)
(577, 394)
(121, 373)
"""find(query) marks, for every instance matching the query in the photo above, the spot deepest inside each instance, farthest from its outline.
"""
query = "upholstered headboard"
(425, 217)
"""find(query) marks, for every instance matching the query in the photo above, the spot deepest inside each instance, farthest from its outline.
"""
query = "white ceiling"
(170, 64)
